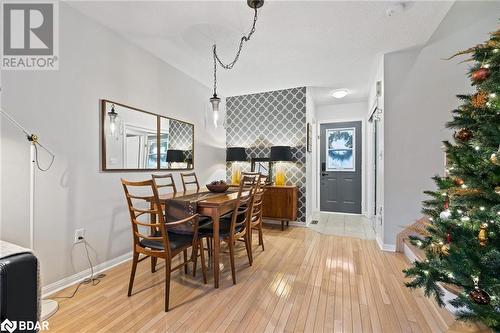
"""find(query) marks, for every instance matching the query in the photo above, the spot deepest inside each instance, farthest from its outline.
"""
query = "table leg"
(216, 248)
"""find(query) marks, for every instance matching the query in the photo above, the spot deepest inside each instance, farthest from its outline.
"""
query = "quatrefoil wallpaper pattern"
(275, 118)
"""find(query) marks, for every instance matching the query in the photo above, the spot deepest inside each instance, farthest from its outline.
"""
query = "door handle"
(324, 174)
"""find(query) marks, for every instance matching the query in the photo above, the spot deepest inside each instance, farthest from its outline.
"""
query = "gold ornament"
(494, 159)
(479, 100)
(483, 234)
(497, 190)
(463, 135)
(458, 181)
(445, 249)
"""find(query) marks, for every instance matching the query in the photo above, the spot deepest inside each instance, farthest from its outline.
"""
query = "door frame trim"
(318, 160)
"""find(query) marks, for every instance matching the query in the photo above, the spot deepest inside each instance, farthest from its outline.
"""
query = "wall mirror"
(134, 140)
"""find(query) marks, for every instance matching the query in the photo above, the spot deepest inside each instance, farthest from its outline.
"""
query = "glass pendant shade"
(112, 120)
(215, 101)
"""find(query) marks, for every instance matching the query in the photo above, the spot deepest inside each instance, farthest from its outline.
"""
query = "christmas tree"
(461, 242)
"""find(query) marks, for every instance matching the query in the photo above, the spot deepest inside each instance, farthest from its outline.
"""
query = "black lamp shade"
(281, 153)
(236, 154)
(174, 155)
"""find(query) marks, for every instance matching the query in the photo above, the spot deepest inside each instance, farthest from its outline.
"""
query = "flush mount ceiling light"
(340, 93)
(214, 100)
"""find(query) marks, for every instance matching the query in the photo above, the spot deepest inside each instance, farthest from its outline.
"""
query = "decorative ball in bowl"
(218, 186)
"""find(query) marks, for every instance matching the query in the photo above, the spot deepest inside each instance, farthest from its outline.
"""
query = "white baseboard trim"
(78, 277)
(385, 247)
(292, 223)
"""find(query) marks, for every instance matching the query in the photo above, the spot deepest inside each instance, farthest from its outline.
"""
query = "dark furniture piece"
(19, 288)
(280, 203)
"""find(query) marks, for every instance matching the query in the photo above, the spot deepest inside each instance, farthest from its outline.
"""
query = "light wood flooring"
(304, 281)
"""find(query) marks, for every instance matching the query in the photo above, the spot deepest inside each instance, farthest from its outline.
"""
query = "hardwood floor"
(304, 282)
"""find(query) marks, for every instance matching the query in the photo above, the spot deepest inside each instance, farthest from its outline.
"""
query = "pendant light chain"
(237, 56)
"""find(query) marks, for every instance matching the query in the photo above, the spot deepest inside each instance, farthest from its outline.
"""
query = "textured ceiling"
(322, 44)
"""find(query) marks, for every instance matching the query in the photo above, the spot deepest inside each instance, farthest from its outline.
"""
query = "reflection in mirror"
(130, 137)
(178, 146)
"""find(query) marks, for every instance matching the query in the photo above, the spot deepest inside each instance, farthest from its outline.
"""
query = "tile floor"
(357, 226)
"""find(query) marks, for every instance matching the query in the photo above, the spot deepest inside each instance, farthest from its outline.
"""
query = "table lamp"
(175, 156)
(236, 154)
(280, 154)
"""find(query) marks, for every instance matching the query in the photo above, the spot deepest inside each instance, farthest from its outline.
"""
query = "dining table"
(212, 205)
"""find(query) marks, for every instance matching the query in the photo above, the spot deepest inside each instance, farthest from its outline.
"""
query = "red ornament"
(480, 75)
(446, 205)
(448, 238)
(479, 296)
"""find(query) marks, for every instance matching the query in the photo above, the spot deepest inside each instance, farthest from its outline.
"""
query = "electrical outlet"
(79, 235)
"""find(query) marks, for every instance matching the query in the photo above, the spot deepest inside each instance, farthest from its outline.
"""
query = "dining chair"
(235, 226)
(164, 181)
(161, 243)
(255, 216)
(189, 179)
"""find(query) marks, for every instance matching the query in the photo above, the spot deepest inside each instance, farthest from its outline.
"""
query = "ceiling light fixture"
(340, 93)
(215, 100)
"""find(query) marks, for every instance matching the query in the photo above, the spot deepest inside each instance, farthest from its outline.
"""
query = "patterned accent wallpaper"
(180, 135)
(275, 118)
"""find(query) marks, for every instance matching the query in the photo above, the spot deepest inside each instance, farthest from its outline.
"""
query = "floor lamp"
(48, 307)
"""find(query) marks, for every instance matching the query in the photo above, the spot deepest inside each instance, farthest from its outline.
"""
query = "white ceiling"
(322, 44)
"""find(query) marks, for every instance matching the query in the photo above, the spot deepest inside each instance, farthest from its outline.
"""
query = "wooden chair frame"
(165, 176)
(255, 216)
(161, 235)
(188, 182)
(243, 206)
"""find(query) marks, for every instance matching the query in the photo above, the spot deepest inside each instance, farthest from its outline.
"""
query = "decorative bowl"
(217, 188)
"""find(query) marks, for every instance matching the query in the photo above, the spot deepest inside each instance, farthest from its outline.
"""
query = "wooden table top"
(216, 200)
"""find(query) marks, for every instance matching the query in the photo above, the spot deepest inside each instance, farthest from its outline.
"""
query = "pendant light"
(215, 100)
(112, 120)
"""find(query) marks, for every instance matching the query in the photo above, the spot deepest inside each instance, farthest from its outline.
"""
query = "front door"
(340, 167)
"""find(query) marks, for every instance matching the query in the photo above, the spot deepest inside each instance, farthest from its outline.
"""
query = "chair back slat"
(255, 214)
(164, 181)
(143, 206)
(242, 208)
(190, 179)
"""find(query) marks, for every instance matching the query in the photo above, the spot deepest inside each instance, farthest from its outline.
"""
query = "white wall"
(420, 91)
(63, 108)
(341, 112)
(311, 174)
(374, 100)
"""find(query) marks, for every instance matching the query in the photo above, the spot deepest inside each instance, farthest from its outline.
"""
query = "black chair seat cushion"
(224, 226)
(177, 241)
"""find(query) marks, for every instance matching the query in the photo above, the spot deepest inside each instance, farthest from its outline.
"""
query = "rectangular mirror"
(176, 144)
(134, 139)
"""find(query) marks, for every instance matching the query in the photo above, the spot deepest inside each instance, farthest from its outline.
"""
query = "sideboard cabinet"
(280, 203)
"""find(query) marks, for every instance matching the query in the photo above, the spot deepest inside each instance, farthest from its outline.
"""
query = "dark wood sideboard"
(280, 203)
